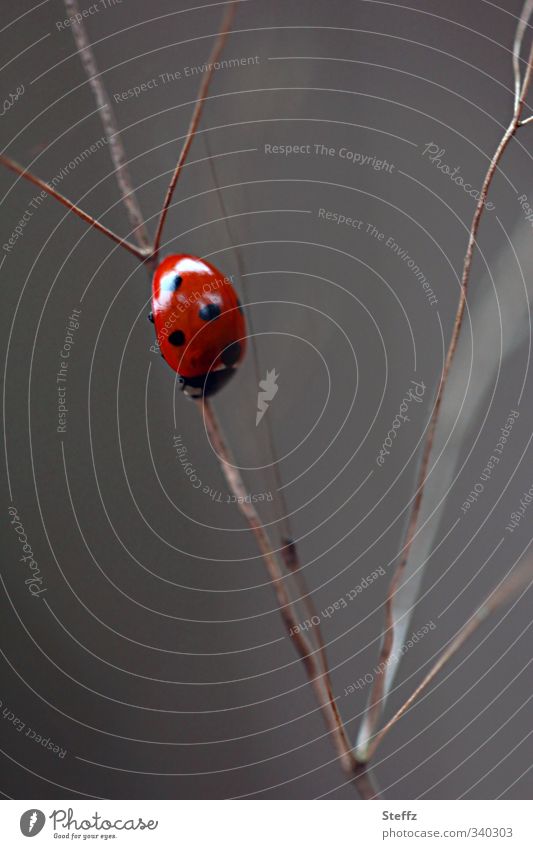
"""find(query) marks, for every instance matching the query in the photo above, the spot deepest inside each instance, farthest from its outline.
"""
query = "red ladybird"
(199, 324)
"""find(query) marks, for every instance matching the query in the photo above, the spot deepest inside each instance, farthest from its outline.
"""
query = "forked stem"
(195, 120)
(356, 767)
(318, 679)
(36, 181)
(376, 698)
(509, 588)
(109, 123)
(289, 552)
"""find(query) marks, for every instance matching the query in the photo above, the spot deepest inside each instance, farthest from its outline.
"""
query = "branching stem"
(396, 580)
(36, 181)
(109, 124)
(521, 580)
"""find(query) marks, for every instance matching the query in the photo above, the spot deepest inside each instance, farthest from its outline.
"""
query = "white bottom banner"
(267, 824)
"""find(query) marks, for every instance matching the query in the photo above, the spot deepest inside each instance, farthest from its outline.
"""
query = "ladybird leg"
(195, 120)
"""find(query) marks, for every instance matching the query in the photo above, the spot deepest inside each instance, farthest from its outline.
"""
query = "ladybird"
(199, 323)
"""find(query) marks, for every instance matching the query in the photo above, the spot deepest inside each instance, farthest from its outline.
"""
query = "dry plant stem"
(110, 125)
(36, 181)
(517, 47)
(364, 782)
(377, 691)
(289, 554)
(521, 580)
(318, 674)
(195, 120)
(358, 772)
(289, 551)
(317, 678)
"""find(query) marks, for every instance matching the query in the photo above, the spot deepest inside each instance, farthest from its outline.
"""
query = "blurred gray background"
(156, 657)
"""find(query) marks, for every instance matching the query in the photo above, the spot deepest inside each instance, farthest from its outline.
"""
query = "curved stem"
(376, 699)
(519, 581)
(319, 680)
(109, 123)
(36, 181)
(195, 120)
(289, 551)
(517, 48)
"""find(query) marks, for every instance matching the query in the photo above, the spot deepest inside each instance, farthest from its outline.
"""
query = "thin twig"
(517, 48)
(318, 679)
(374, 710)
(18, 169)
(359, 773)
(289, 551)
(520, 580)
(110, 125)
(320, 682)
(195, 120)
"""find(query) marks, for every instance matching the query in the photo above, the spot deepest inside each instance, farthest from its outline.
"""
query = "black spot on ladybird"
(171, 282)
(209, 312)
(231, 354)
(177, 337)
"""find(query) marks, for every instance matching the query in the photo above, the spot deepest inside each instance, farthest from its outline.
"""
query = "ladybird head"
(199, 323)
